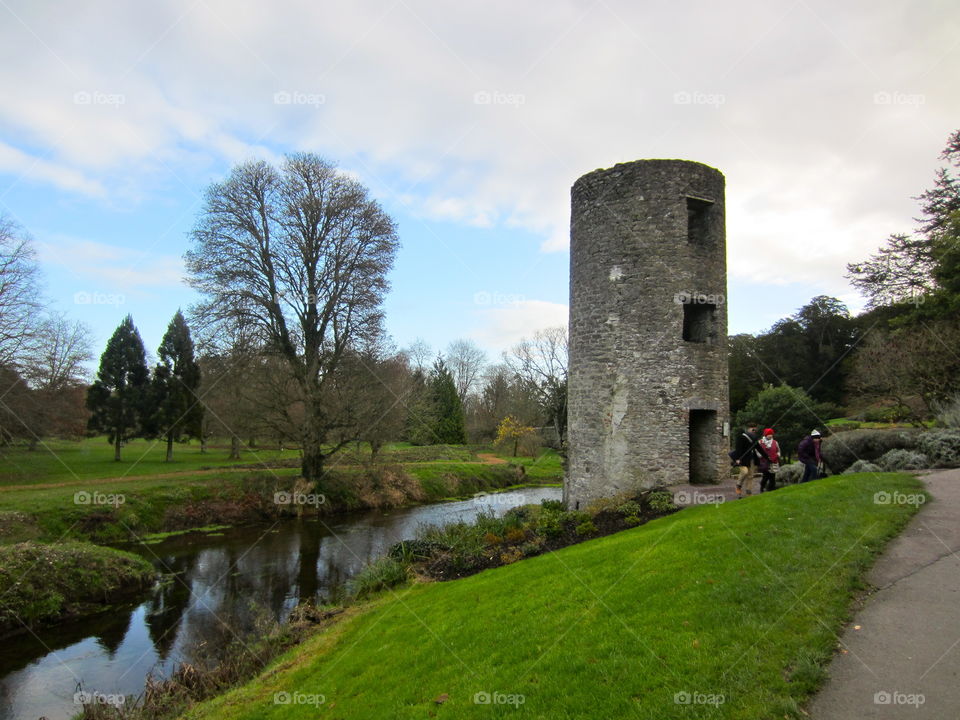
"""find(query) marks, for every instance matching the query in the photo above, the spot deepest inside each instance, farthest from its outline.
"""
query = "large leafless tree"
(540, 365)
(301, 254)
(466, 361)
(20, 294)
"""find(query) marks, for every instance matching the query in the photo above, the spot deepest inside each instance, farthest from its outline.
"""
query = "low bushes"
(942, 447)
(461, 549)
(841, 450)
(898, 459)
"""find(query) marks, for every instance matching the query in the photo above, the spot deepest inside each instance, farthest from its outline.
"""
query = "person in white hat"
(808, 452)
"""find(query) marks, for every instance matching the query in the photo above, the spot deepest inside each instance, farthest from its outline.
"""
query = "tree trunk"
(203, 443)
(116, 448)
(234, 447)
(169, 447)
(312, 464)
(516, 442)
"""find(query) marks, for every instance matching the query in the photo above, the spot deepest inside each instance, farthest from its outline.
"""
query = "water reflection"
(218, 586)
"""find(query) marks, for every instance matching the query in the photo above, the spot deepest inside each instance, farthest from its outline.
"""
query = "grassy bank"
(732, 607)
(41, 584)
(110, 509)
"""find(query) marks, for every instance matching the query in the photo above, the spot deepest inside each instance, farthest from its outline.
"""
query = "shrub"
(379, 575)
(840, 451)
(533, 547)
(491, 539)
(553, 505)
(891, 414)
(515, 535)
(661, 501)
(948, 413)
(861, 466)
(941, 446)
(903, 460)
(630, 508)
(511, 556)
(550, 524)
(790, 473)
(586, 528)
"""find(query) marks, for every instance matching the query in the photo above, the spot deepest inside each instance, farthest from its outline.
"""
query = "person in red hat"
(770, 462)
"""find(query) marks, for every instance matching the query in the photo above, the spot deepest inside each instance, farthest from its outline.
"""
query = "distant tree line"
(900, 355)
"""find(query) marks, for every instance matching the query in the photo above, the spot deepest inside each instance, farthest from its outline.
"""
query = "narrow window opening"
(698, 220)
(699, 322)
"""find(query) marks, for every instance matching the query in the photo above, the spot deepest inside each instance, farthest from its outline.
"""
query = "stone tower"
(648, 329)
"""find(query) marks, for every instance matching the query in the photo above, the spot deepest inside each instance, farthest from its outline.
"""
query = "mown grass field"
(43, 491)
(733, 608)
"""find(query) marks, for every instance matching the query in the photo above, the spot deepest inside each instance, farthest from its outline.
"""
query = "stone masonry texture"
(647, 269)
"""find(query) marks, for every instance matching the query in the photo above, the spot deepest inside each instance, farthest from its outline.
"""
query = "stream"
(220, 582)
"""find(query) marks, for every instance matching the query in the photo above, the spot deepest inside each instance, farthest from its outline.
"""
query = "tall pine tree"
(449, 424)
(118, 397)
(176, 410)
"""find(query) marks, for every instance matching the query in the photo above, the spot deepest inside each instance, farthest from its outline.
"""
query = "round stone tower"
(648, 329)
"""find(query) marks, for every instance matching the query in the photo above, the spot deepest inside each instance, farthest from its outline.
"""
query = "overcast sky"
(470, 122)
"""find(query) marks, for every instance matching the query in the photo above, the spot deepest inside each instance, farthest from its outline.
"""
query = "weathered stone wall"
(648, 246)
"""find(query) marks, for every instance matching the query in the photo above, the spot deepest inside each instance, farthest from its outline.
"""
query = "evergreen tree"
(921, 270)
(118, 396)
(175, 405)
(449, 426)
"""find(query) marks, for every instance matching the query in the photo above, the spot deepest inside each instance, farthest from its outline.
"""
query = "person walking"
(770, 462)
(745, 456)
(808, 452)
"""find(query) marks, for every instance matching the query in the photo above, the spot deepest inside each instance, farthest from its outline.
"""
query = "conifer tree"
(118, 396)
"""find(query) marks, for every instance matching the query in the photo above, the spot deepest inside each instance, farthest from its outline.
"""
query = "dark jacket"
(807, 451)
(745, 449)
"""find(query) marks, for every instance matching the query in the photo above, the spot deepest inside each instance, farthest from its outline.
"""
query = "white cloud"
(107, 268)
(500, 328)
(818, 171)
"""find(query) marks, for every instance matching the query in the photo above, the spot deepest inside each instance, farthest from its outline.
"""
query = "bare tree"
(55, 356)
(20, 300)
(300, 254)
(465, 361)
(540, 364)
(420, 354)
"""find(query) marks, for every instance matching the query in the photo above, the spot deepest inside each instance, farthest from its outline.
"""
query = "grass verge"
(736, 604)
(43, 584)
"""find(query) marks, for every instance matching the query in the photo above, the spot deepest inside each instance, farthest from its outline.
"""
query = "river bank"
(739, 608)
(220, 585)
(44, 584)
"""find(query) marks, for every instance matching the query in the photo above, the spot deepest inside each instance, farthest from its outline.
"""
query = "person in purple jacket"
(808, 452)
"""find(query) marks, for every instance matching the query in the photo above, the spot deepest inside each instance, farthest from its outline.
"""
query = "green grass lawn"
(735, 606)
(55, 461)
(39, 489)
